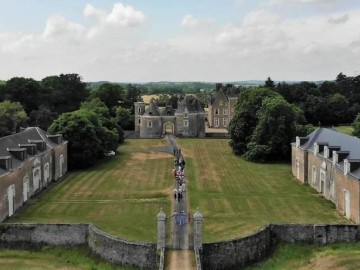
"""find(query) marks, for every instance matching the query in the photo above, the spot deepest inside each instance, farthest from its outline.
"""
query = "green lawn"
(238, 197)
(53, 258)
(342, 256)
(121, 196)
(345, 129)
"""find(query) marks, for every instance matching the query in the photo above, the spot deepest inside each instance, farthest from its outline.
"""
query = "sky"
(180, 40)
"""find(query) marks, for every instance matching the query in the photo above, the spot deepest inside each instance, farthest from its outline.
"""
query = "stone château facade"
(221, 107)
(29, 161)
(329, 161)
(188, 120)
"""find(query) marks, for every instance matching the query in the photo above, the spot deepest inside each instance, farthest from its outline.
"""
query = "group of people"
(178, 192)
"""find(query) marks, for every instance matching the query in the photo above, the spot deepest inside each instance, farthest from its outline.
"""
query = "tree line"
(92, 120)
(268, 118)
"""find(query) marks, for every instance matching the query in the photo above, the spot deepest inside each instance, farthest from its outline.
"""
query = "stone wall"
(120, 251)
(238, 253)
(37, 235)
(111, 249)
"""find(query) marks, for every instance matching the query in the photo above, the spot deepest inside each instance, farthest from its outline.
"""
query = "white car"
(109, 154)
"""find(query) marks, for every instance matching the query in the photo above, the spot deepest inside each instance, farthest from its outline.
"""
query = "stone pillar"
(198, 233)
(161, 225)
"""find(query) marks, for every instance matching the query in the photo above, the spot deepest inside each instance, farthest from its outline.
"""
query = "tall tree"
(274, 132)
(111, 94)
(67, 92)
(269, 83)
(12, 116)
(26, 91)
(245, 119)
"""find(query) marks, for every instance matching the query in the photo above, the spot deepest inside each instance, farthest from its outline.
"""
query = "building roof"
(31, 134)
(331, 137)
(191, 106)
(152, 110)
(168, 111)
(231, 93)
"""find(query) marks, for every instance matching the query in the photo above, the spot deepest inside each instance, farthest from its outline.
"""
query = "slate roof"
(152, 110)
(168, 111)
(23, 137)
(331, 137)
(225, 96)
(192, 106)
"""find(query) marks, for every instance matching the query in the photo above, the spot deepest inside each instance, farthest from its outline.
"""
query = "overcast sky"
(180, 40)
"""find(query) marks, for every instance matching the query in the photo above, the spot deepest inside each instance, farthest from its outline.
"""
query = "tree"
(269, 83)
(245, 119)
(274, 132)
(26, 91)
(341, 77)
(12, 116)
(66, 92)
(83, 132)
(110, 94)
(113, 133)
(42, 118)
(356, 126)
(132, 95)
(125, 118)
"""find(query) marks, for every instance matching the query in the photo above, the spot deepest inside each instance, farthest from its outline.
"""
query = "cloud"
(57, 25)
(119, 45)
(338, 20)
(121, 15)
(189, 21)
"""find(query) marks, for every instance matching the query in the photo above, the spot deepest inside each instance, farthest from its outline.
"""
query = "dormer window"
(186, 115)
(150, 113)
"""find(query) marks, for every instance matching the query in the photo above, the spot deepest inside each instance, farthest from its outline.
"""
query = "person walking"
(175, 192)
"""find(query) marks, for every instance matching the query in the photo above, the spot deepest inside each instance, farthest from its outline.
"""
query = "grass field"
(121, 196)
(147, 98)
(53, 258)
(345, 129)
(238, 197)
(342, 256)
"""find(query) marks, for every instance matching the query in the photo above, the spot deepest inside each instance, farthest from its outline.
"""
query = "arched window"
(149, 123)
(139, 121)
(139, 110)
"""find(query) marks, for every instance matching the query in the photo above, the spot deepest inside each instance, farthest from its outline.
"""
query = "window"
(225, 122)
(139, 110)
(186, 123)
(185, 115)
(225, 111)
(139, 121)
(216, 111)
(149, 123)
(216, 122)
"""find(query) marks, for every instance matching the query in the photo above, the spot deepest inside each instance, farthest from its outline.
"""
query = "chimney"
(57, 138)
(6, 162)
(218, 86)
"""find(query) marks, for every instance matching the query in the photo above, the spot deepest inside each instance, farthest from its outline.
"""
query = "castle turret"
(139, 110)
